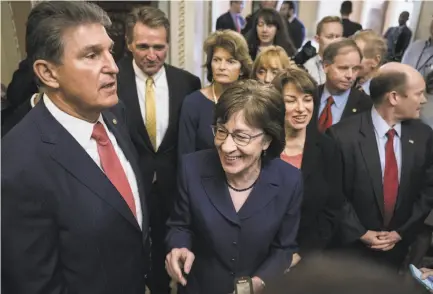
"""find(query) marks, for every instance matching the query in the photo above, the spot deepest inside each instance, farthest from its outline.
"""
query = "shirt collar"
(366, 84)
(80, 129)
(339, 100)
(381, 126)
(142, 76)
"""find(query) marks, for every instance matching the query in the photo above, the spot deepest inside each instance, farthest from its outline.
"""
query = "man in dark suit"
(153, 93)
(74, 216)
(398, 38)
(232, 19)
(349, 27)
(338, 99)
(388, 163)
(295, 27)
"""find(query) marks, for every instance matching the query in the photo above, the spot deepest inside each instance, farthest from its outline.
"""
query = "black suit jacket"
(15, 117)
(296, 32)
(323, 197)
(350, 27)
(65, 227)
(357, 102)
(225, 22)
(362, 184)
(164, 160)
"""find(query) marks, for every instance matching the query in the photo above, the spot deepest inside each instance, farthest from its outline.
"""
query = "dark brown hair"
(385, 83)
(339, 47)
(263, 108)
(282, 38)
(234, 43)
(304, 83)
(149, 16)
(299, 78)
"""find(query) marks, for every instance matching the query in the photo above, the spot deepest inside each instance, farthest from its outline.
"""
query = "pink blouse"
(295, 160)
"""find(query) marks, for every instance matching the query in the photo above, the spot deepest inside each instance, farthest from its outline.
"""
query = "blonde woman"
(227, 60)
(269, 62)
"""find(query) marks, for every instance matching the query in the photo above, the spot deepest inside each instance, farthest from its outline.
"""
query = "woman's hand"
(177, 259)
(296, 258)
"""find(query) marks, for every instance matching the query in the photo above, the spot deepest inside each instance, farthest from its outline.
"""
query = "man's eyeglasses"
(240, 139)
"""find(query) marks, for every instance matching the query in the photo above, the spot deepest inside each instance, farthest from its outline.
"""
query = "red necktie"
(111, 165)
(390, 179)
(325, 119)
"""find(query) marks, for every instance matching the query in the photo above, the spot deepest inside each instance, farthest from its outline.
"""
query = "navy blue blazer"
(65, 227)
(257, 241)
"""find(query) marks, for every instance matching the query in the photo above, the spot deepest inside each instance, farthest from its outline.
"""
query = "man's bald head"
(392, 77)
(400, 89)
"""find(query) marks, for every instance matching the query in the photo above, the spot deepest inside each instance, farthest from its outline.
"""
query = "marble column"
(190, 25)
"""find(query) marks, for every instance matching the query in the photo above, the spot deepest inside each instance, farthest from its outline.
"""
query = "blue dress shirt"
(338, 107)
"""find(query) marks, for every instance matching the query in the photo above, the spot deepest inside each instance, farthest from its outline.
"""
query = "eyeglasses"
(240, 139)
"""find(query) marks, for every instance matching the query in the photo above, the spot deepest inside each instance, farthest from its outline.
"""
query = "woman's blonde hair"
(234, 43)
(270, 57)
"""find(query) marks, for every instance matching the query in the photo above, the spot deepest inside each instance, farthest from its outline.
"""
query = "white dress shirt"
(381, 127)
(314, 66)
(33, 100)
(82, 131)
(161, 99)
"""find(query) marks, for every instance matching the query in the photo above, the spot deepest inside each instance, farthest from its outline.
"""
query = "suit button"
(233, 259)
(232, 274)
(235, 243)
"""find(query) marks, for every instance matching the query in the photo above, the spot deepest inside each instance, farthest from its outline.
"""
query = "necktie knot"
(330, 101)
(149, 82)
(99, 134)
(391, 134)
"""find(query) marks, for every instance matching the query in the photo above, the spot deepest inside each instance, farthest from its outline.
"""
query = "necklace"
(213, 92)
(241, 190)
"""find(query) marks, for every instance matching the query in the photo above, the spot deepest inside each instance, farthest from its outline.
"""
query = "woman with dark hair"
(227, 60)
(269, 29)
(238, 210)
(316, 155)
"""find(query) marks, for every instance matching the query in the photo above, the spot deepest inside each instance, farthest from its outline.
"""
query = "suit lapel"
(214, 185)
(263, 192)
(128, 93)
(352, 105)
(407, 161)
(68, 153)
(311, 154)
(370, 153)
(172, 83)
(122, 141)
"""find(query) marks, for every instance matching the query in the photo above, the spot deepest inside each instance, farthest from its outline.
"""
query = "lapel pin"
(411, 141)
(354, 110)
(114, 121)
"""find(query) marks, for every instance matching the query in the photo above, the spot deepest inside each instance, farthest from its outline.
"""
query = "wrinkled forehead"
(86, 36)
